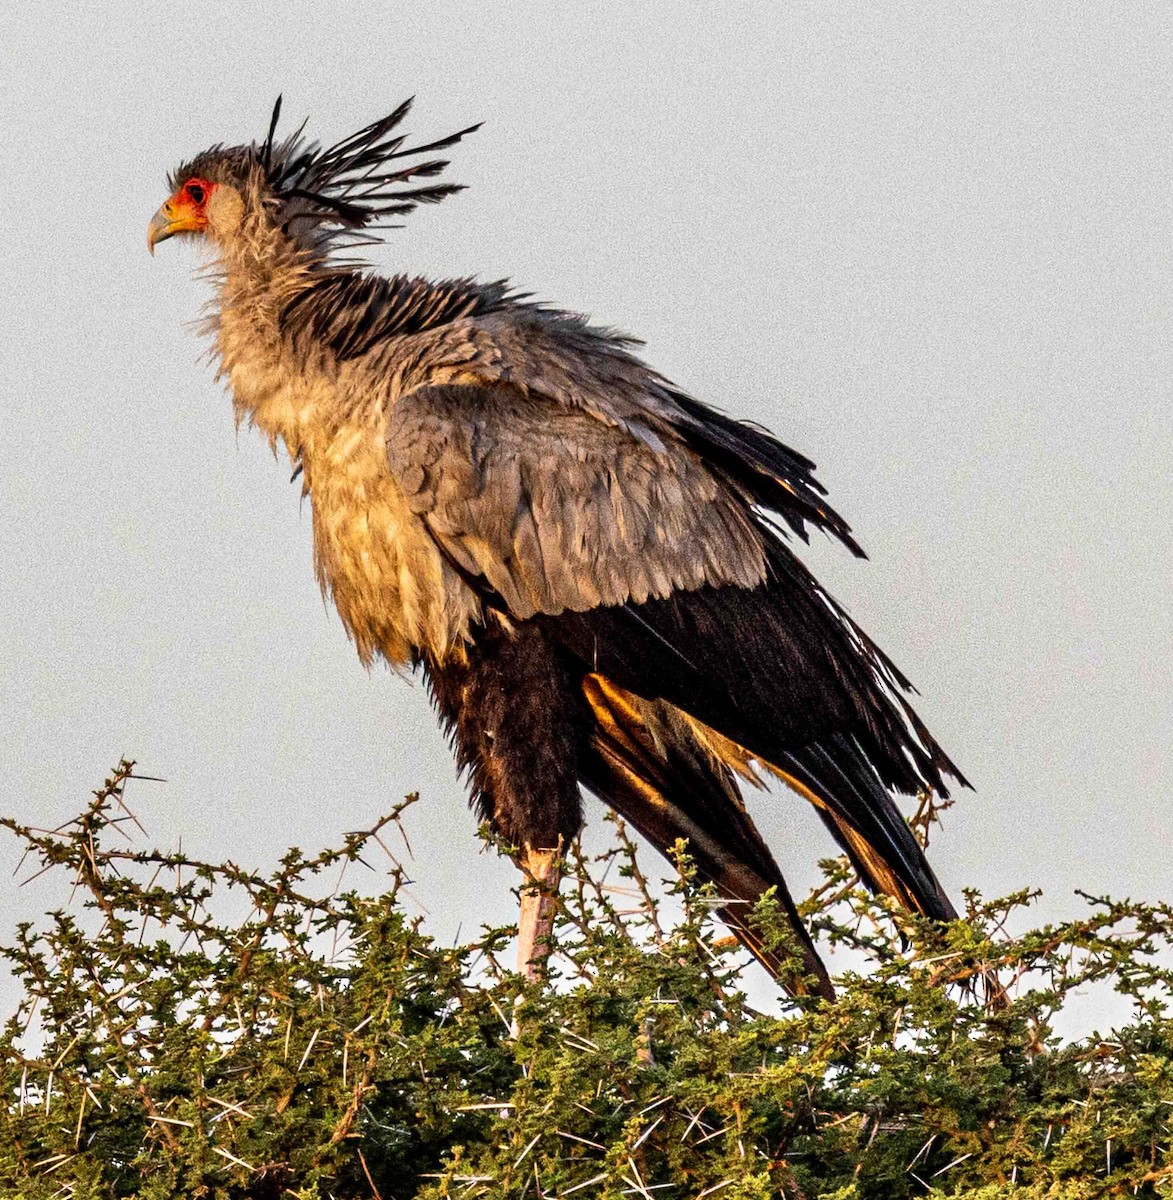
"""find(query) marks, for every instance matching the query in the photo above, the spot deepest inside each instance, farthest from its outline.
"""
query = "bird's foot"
(539, 901)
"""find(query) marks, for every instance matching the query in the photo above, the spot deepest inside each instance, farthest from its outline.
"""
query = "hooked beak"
(169, 221)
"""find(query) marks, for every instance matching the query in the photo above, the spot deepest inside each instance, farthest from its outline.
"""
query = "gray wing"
(558, 508)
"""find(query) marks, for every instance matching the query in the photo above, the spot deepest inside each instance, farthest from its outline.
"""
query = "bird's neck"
(273, 385)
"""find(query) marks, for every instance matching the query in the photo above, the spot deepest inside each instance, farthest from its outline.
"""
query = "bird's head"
(317, 198)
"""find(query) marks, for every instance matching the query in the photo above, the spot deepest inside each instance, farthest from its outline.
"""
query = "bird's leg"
(539, 899)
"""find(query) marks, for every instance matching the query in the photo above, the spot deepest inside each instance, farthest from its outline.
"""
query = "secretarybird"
(589, 566)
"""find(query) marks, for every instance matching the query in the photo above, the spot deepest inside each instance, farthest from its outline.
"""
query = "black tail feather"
(645, 762)
(863, 818)
(782, 672)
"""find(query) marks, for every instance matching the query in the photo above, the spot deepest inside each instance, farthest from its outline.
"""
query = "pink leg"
(539, 899)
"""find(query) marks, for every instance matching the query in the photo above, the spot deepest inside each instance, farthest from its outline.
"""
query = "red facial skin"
(184, 212)
(188, 207)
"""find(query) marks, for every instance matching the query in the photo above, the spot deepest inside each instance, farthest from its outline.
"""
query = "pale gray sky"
(929, 245)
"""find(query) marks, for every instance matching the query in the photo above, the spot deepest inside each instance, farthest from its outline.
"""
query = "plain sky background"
(928, 244)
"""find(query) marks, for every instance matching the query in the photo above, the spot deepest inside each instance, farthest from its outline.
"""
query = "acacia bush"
(321, 1045)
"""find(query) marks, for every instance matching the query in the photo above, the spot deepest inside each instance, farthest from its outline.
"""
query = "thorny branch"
(314, 1042)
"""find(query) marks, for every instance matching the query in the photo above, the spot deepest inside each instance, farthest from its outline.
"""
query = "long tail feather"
(861, 815)
(646, 761)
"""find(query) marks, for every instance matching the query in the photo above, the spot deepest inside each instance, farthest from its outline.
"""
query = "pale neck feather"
(283, 393)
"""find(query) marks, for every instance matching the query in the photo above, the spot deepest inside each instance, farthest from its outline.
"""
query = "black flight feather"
(781, 671)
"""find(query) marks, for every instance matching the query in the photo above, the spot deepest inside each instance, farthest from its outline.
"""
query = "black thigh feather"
(516, 716)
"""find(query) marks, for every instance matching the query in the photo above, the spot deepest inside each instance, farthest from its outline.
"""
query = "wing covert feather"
(559, 510)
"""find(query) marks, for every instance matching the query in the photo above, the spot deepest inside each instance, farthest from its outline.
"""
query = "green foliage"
(198, 1030)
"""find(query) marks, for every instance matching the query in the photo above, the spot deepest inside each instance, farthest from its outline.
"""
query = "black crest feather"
(359, 181)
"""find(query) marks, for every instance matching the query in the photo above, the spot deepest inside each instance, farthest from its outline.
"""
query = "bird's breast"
(373, 556)
(394, 592)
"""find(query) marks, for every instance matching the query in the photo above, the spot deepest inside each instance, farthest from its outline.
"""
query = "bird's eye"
(195, 193)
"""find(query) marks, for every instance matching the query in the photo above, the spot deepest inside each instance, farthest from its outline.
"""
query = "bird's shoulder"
(354, 315)
(407, 332)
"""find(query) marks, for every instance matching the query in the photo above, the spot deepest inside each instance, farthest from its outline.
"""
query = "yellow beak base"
(169, 221)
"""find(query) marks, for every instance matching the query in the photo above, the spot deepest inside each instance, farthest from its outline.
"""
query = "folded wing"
(703, 643)
(555, 509)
